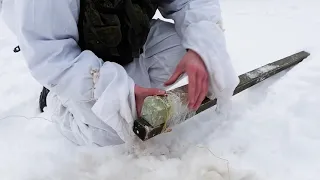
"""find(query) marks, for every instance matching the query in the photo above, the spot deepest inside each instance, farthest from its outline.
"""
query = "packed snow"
(272, 132)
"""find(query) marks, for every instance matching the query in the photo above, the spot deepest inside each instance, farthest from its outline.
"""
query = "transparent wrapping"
(168, 110)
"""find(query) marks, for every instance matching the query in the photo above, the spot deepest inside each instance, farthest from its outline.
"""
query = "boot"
(43, 98)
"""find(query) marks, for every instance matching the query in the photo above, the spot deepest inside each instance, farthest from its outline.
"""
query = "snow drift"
(271, 133)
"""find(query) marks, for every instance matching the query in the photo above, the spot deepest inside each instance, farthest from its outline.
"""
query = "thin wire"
(207, 148)
(30, 118)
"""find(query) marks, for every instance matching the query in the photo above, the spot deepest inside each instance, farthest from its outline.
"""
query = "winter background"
(272, 133)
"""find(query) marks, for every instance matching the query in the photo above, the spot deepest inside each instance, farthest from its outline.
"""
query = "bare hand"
(141, 93)
(193, 65)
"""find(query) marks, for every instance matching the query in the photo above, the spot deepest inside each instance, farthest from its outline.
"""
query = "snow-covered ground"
(272, 133)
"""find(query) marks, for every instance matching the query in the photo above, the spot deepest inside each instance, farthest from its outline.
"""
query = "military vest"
(115, 30)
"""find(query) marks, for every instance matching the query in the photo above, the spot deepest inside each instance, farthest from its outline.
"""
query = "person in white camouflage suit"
(97, 86)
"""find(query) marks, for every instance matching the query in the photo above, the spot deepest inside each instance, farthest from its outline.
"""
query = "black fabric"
(115, 30)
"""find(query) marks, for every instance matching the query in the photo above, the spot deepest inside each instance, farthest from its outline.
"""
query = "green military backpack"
(115, 30)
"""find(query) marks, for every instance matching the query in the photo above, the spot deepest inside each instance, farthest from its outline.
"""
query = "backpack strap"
(81, 42)
(134, 22)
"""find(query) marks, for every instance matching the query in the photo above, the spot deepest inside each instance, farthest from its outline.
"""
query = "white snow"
(272, 133)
